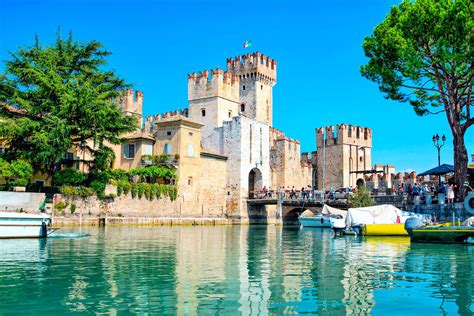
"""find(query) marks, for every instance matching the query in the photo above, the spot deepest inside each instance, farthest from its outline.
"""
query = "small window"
(148, 149)
(191, 134)
(360, 158)
(69, 156)
(39, 183)
(230, 114)
(261, 87)
(242, 107)
(203, 112)
(168, 133)
(167, 149)
(243, 87)
(190, 150)
(190, 180)
(129, 151)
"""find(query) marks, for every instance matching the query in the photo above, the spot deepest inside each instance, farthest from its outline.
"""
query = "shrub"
(126, 187)
(119, 190)
(76, 192)
(59, 207)
(361, 198)
(69, 176)
(118, 174)
(141, 190)
(147, 191)
(19, 183)
(99, 187)
(134, 190)
(73, 208)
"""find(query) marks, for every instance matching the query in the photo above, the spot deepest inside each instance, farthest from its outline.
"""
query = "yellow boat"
(384, 230)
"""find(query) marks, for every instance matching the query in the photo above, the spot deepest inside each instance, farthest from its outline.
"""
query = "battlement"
(152, 120)
(131, 102)
(344, 134)
(277, 135)
(220, 83)
(253, 65)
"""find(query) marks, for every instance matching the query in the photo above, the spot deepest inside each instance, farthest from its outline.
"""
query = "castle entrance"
(360, 183)
(255, 183)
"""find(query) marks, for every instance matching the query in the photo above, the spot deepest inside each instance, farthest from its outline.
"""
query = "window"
(242, 107)
(360, 158)
(230, 114)
(148, 149)
(261, 87)
(191, 134)
(168, 148)
(168, 133)
(190, 181)
(129, 151)
(190, 150)
(243, 87)
(203, 112)
(39, 183)
(69, 156)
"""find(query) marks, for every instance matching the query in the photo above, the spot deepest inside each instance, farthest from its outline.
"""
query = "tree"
(59, 97)
(16, 172)
(422, 54)
(361, 198)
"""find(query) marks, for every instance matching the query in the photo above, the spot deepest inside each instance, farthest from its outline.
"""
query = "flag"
(247, 44)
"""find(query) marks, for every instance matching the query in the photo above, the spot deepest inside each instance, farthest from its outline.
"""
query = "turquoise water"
(232, 270)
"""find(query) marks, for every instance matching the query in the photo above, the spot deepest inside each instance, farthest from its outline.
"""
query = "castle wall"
(246, 144)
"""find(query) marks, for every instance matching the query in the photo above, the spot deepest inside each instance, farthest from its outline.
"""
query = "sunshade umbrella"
(438, 171)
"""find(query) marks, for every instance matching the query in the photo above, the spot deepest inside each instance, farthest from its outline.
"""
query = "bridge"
(283, 210)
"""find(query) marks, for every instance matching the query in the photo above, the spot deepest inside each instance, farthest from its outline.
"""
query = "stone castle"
(227, 146)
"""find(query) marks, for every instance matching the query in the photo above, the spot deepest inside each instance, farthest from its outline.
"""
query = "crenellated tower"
(257, 76)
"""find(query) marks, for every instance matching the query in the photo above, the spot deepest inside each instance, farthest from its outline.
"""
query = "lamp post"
(438, 146)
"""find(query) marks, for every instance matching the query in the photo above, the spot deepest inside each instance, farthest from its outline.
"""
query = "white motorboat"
(24, 225)
(315, 221)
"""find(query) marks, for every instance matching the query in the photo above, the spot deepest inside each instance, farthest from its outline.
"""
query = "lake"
(229, 270)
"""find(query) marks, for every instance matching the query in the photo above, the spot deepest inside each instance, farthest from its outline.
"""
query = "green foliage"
(19, 183)
(99, 187)
(147, 191)
(141, 189)
(81, 192)
(361, 198)
(64, 98)
(422, 54)
(69, 176)
(134, 190)
(153, 173)
(60, 207)
(16, 172)
(72, 208)
(119, 190)
(118, 174)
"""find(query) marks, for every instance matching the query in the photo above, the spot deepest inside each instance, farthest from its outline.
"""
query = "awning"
(438, 171)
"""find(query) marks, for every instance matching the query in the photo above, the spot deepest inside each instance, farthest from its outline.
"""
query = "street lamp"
(438, 146)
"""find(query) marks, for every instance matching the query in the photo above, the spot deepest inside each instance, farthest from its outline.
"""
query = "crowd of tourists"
(426, 191)
(288, 193)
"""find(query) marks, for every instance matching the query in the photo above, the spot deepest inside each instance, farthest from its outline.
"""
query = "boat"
(441, 234)
(319, 220)
(380, 220)
(323, 220)
(24, 225)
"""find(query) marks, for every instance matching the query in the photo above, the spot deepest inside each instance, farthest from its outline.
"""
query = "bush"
(99, 187)
(76, 192)
(19, 183)
(119, 190)
(69, 176)
(147, 191)
(118, 175)
(141, 190)
(134, 190)
(73, 208)
(361, 198)
(59, 207)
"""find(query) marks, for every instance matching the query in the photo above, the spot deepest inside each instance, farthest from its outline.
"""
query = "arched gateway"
(255, 182)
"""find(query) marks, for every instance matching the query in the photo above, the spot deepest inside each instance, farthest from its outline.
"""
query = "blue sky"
(317, 45)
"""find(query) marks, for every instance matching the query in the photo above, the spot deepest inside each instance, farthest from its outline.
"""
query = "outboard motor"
(412, 223)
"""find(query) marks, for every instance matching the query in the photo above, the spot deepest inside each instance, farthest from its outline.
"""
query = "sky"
(317, 45)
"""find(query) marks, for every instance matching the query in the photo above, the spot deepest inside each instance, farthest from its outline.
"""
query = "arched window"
(243, 87)
(242, 107)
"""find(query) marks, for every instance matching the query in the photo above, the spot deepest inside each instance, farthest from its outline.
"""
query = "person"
(270, 193)
(401, 189)
(303, 193)
(450, 193)
(265, 191)
(280, 192)
(292, 192)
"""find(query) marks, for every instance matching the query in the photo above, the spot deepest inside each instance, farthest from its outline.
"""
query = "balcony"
(160, 160)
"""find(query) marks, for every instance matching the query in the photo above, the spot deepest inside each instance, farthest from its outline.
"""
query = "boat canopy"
(379, 214)
(23, 215)
(328, 210)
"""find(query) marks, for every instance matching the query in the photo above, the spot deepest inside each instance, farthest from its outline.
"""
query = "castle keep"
(225, 146)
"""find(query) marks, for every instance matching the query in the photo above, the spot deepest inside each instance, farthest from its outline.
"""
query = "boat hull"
(13, 225)
(384, 230)
(316, 221)
(443, 235)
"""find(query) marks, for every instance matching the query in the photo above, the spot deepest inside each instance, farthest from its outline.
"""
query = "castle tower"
(344, 152)
(214, 99)
(257, 76)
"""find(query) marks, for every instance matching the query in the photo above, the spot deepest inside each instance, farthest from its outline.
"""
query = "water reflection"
(254, 270)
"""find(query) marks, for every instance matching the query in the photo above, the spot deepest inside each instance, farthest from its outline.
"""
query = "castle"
(225, 145)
